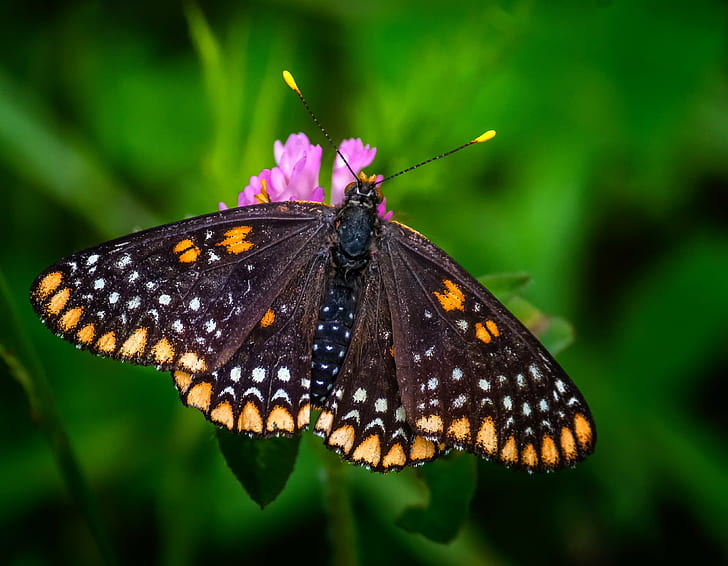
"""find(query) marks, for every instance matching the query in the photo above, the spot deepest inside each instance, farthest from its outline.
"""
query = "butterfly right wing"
(471, 375)
(363, 419)
(183, 296)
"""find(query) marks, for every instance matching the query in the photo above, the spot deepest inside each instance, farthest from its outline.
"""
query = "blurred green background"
(607, 183)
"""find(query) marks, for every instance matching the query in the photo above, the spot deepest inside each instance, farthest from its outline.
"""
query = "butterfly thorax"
(357, 227)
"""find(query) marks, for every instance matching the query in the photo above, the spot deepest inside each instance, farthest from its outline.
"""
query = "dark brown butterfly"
(264, 312)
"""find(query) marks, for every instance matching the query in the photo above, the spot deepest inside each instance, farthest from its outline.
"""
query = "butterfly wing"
(363, 418)
(263, 389)
(470, 374)
(183, 296)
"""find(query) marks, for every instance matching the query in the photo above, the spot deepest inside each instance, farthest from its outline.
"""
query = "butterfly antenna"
(291, 82)
(485, 136)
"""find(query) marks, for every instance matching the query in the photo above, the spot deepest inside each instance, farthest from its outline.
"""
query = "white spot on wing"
(253, 391)
(281, 394)
(258, 374)
(235, 374)
(459, 401)
(353, 414)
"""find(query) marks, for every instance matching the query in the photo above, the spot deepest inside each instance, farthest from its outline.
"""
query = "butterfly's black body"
(262, 312)
(357, 225)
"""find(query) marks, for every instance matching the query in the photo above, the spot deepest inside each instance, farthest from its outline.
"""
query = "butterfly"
(267, 312)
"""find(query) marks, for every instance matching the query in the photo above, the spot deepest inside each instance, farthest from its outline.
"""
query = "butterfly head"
(364, 191)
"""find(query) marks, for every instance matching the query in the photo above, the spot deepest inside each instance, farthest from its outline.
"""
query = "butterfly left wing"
(470, 374)
(185, 295)
(363, 419)
(263, 389)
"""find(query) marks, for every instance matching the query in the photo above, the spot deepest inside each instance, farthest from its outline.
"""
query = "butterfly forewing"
(263, 389)
(470, 375)
(185, 295)
(363, 419)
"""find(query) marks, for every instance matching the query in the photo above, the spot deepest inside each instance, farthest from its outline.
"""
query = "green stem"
(342, 533)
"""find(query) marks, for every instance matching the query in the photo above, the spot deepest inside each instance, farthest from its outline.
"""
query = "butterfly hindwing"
(470, 375)
(363, 419)
(263, 389)
(185, 295)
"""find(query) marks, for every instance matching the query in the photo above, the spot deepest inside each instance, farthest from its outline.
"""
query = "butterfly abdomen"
(332, 336)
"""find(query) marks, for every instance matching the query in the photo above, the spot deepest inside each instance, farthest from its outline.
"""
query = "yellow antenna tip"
(290, 81)
(489, 135)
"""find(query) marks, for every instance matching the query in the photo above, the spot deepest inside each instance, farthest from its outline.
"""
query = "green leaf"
(554, 332)
(505, 285)
(451, 482)
(261, 465)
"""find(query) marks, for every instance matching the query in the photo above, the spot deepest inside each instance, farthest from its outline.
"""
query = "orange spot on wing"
(368, 451)
(487, 438)
(187, 251)
(234, 241)
(568, 444)
(324, 422)
(199, 396)
(70, 318)
(422, 449)
(549, 452)
(452, 298)
(492, 327)
(280, 419)
(48, 284)
(430, 424)
(223, 414)
(304, 416)
(107, 343)
(250, 419)
(86, 334)
(395, 458)
(509, 453)
(459, 430)
(482, 334)
(135, 344)
(268, 318)
(58, 301)
(529, 456)
(182, 380)
(343, 437)
(583, 430)
(163, 351)
(192, 362)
